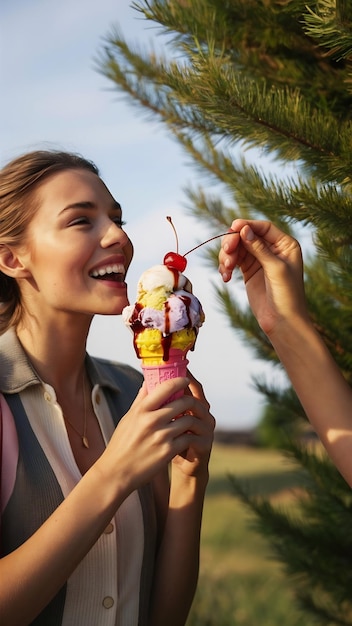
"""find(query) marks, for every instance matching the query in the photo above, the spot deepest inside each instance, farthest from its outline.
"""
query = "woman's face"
(77, 253)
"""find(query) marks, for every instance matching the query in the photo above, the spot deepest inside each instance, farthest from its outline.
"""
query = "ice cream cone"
(165, 320)
(157, 371)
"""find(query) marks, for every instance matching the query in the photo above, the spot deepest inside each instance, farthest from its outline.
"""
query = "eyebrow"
(86, 204)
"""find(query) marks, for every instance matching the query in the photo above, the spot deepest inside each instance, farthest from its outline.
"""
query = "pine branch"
(246, 325)
(258, 193)
(331, 27)
(282, 398)
(315, 557)
(206, 95)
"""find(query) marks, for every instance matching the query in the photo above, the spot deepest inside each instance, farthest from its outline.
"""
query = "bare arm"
(324, 393)
(178, 560)
(271, 264)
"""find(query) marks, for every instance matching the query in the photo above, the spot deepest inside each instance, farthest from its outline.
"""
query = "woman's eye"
(118, 221)
(79, 220)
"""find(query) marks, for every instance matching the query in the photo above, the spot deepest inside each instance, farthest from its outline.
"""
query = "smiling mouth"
(115, 272)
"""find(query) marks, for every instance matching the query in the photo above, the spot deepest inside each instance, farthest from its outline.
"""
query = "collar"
(17, 373)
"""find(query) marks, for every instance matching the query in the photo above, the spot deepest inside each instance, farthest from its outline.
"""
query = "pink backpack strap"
(8, 453)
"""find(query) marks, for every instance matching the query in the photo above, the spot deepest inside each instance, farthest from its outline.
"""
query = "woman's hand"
(195, 458)
(151, 434)
(272, 268)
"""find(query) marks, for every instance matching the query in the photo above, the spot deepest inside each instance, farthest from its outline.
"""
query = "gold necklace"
(83, 435)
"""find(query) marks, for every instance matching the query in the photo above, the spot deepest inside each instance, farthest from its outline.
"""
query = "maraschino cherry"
(176, 261)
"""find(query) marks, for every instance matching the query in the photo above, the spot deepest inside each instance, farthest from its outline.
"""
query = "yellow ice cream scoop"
(151, 344)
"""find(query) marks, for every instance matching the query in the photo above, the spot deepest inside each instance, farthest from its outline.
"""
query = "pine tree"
(242, 78)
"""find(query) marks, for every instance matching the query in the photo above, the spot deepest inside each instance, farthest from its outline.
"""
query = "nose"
(112, 235)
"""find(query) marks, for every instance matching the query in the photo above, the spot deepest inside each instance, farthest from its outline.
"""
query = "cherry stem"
(229, 232)
(169, 219)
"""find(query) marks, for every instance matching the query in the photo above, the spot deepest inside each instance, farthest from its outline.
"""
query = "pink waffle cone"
(156, 373)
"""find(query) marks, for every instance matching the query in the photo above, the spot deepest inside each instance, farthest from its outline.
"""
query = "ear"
(11, 263)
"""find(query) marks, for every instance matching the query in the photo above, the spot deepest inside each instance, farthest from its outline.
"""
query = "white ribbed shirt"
(104, 589)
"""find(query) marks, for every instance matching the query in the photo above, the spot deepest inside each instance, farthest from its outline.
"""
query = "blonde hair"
(19, 181)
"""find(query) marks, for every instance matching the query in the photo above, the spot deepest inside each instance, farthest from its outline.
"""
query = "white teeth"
(116, 268)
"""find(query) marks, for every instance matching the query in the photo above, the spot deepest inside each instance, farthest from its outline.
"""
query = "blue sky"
(52, 96)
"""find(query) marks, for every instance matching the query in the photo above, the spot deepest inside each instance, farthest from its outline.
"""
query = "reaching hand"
(272, 268)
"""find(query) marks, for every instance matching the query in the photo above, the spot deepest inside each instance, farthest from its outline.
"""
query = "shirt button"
(109, 529)
(108, 602)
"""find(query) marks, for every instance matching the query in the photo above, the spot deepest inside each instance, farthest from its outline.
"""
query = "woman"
(91, 531)
(272, 268)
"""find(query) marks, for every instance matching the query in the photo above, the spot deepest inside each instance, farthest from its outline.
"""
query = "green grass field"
(240, 583)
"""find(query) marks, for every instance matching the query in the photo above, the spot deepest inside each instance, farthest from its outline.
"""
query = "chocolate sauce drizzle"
(137, 326)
